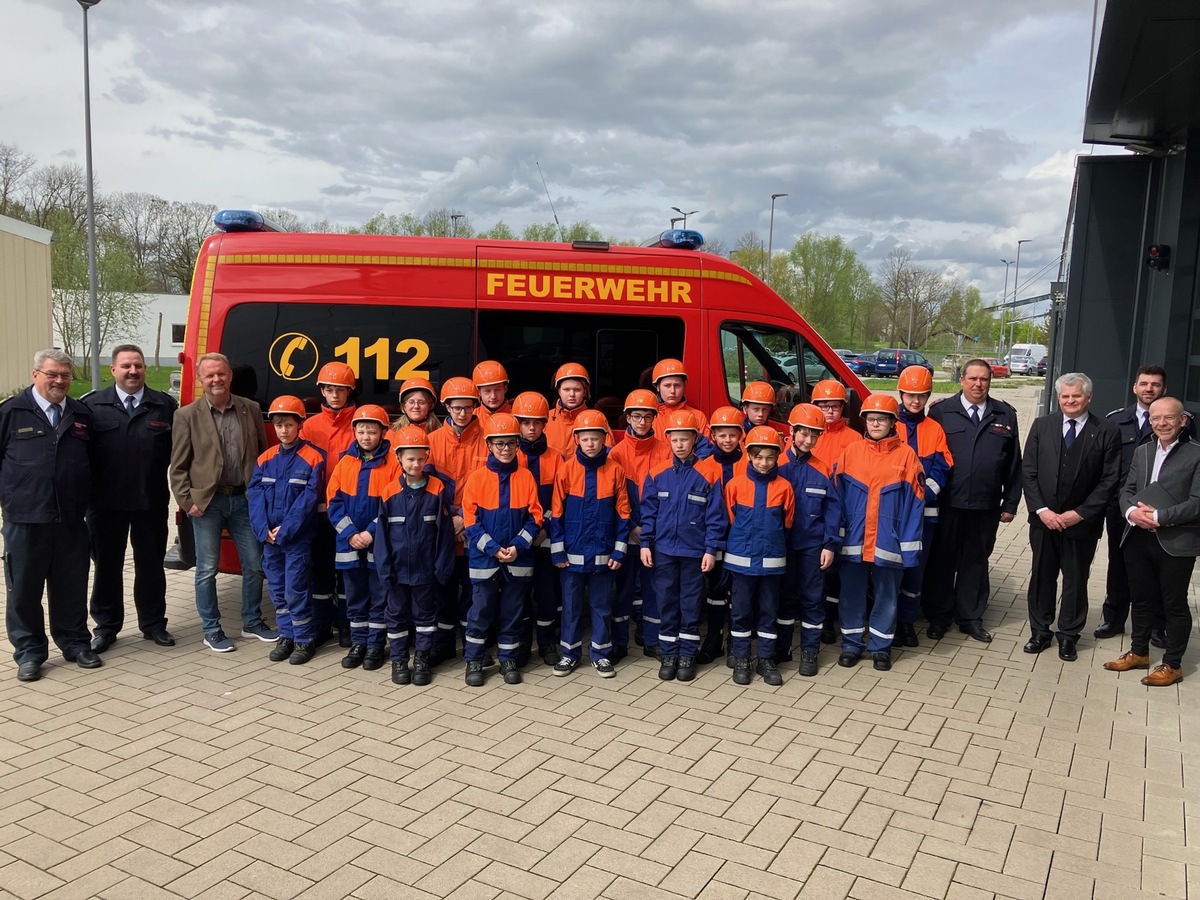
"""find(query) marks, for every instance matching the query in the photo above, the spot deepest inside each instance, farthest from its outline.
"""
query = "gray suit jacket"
(1178, 525)
(196, 458)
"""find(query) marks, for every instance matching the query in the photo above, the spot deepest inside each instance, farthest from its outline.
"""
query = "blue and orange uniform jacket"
(285, 490)
(928, 441)
(500, 509)
(560, 429)
(833, 440)
(415, 533)
(637, 456)
(881, 486)
(355, 487)
(818, 521)
(589, 518)
(683, 510)
(732, 464)
(457, 455)
(543, 463)
(761, 510)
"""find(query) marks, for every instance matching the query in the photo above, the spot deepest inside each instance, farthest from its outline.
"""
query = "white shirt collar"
(967, 404)
(45, 404)
(1080, 421)
(137, 398)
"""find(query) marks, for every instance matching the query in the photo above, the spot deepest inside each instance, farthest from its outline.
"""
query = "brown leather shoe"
(1163, 676)
(1127, 661)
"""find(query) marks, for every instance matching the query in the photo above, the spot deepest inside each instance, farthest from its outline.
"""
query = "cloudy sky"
(947, 127)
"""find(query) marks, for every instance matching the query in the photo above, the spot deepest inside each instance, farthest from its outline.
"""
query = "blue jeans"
(232, 514)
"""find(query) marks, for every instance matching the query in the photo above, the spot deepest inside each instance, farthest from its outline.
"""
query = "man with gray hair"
(45, 483)
(1070, 467)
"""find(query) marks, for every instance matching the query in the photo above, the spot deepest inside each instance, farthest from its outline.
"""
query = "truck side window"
(762, 353)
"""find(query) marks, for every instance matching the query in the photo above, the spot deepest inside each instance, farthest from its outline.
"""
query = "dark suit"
(1082, 478)
(1160, 562)
(45, 480)
(130, 496)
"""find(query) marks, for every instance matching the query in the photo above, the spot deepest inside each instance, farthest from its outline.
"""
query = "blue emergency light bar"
(231, 220)
(677, 239)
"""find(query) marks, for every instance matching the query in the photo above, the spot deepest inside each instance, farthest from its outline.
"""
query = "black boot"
(770, 674)
(668, 668)
(741, 670)
(305, 650)
(354, 658)
(712, 648)
(440, 654)
(639, 633)
(344, 636)
(420, 668)
(549, 655)
(282, 650)
(508, 668)
(809, 666)
(374, 659)
(908, 636)
(687, 668)
(475, 676)
(400, 673)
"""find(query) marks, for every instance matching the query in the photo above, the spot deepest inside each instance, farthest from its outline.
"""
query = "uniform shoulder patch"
(1115, 412)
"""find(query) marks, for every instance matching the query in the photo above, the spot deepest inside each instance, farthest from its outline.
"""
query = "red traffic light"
(1158, 256)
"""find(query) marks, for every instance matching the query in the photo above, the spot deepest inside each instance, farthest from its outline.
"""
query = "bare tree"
(186, 225)
(15, 167)
(52, 189)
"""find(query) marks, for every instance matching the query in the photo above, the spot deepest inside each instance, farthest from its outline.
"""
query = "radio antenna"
(548, 200)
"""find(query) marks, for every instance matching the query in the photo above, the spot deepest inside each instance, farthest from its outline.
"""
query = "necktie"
(129, 404)
(55, 413)
(1070, 438)
(974, 415)
(1145, 429)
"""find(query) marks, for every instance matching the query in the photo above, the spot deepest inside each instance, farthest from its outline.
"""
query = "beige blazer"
(196, 450)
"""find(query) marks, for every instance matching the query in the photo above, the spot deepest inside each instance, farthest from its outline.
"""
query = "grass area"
(946, 386)
(157, 377)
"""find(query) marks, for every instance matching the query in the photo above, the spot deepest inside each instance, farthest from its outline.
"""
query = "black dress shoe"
(102, 641)
(1158, 637)
(160, 636)
(1066, 648)
(88, 659)
(977, 632)
(29, 671)
(1108, 629)
(936, 632)
(1038, 643)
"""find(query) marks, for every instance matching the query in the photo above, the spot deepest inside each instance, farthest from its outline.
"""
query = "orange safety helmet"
(759, 392)
(726, 417)
(288, 405)
(764, 436)
(641, 399)
(372, 413)
(417, 384)
(459, 388)
(489, 372)
(571, 370)
(530, 405)
(590, 420)
(829, 390)
(682, 420)
(503, 425)
(882, 403)
(805, 415)
(915, 380)
(410, 437)
(665, 367)
(337, 374)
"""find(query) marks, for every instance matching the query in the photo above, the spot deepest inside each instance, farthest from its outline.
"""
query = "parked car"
(1042, 365)
(891, 362)
(861, 364)
(1023, 365)
(999, 369)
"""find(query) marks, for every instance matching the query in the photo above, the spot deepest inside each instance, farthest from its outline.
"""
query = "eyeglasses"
(877, 420)
(54, 376)
(504, 445)
(639, 417)
(462, 407)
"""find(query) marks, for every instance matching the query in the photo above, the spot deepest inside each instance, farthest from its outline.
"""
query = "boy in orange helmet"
(491, 380)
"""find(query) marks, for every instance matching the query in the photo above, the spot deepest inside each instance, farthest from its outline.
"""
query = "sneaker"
(282, 650)
(374, 659)
(304, 651)
(769, 672)
(355, 657)
(474, 676)
(687, 668)
(668, 668)
(808, 663)
(604, 668)
(218, 643)
(565, 666)
(260, 631)
(741, 670)
(882, 661)
(512, 674)
(421, 675)
(400, 672)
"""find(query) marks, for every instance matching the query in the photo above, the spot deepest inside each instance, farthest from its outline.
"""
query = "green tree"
(834, 290)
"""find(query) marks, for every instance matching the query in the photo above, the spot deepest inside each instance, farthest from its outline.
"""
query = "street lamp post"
(1017, 280)
(771, 235)
(684, 215)
(454, 217)
(675, 220)
(93, 303)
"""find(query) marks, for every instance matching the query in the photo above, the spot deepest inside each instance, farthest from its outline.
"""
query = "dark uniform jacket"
(45, 473)
(987, 459)
(130, 454)
(1126, 420)
(1083, 478)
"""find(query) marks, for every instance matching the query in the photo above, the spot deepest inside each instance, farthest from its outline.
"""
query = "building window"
(176, 334)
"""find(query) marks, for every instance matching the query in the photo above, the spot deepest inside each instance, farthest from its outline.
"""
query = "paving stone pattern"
(966, 772)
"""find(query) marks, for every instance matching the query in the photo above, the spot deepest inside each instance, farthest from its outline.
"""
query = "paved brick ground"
(966, 772)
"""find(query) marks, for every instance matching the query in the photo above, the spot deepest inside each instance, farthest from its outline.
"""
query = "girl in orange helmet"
(417, 400)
